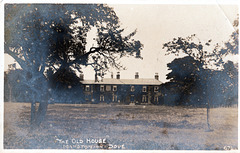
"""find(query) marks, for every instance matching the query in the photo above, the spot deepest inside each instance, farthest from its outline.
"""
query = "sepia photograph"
(108, 76)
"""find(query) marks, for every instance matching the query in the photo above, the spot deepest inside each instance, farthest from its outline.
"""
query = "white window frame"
(102, 88)
(132, 89)
(87, 88)
(144, 89)
(114, 88)
(144, 98)
(101, 98)
(108, 87)
(114, 98)
(156, 88)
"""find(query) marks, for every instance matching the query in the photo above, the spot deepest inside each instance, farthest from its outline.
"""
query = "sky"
(160, 23)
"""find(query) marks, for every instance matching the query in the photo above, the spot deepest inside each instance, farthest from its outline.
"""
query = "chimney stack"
(156, 76)
(102, 77)
(96, 77)
(118, 75)
(81, 77)
(136, 75)
(112, 75)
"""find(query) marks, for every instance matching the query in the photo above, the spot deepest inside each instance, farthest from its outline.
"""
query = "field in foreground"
(89, 126)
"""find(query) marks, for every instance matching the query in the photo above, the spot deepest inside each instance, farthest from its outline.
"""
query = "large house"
(125, 91)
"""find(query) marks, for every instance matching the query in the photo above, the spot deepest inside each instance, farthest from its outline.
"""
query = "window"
(87, 88)
(156, 89)
(102, 88)
(101, 98)
(144, 98)
(155, 98)
(108, 88)
(114, 88)
(132, 88)
(144, 89)
(114, 98)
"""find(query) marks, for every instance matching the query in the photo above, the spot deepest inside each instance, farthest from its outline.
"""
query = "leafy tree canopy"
(192, 46)
(195, 80)
(53, 37)
(183, 69)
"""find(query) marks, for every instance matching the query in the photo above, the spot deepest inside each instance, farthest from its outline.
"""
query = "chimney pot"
(136, 75)
(81, 77)
(96, 77)
(102, 77)
(118, 75)
(112, 75)
(156, 76)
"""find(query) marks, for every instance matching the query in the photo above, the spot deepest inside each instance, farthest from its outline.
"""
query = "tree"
(230, 86)
(196, 50)
(15, 89)
(190, 46)
(231, 46)
(49, 41)
(186, 73)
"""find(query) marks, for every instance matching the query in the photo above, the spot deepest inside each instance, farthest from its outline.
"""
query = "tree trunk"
(208, 111)
(39, 116)
(42, 110)
(33, 112)
(208, 117)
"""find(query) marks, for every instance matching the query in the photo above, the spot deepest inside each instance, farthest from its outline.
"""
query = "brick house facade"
(124, 91)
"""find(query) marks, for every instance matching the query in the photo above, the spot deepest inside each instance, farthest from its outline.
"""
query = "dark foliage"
(192, 85)
(48, 41)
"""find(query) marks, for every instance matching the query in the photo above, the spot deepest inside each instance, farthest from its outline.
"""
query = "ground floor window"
(144, 98)
(155, 98)
(114, 98)
(101, 98)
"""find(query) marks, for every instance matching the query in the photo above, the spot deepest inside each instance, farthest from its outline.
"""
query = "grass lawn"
(102, 126)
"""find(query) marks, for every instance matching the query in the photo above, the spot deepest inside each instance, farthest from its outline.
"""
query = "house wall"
(124, 94)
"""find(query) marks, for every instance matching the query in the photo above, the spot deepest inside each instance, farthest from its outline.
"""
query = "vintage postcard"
(97, 76)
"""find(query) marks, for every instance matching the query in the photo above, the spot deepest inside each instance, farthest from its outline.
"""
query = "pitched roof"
(124, 81)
